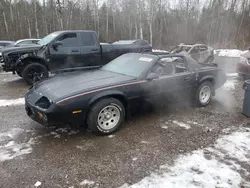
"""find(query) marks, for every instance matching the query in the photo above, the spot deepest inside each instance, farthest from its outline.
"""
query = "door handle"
(187, 78)
(75, 51)
(94, 50)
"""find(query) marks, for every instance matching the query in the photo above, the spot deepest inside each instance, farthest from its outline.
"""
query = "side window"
(174, 65)
(203, 48)
(24, 42)
(195, 50)
(69, 40)
(88, 39)
(144, 43)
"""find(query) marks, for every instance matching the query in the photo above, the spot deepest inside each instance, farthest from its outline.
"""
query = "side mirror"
(249, 48)
(56, 44)
(152, 76)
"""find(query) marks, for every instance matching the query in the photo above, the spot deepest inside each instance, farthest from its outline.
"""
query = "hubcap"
(35, 74)
(108, 117)
(205, 94)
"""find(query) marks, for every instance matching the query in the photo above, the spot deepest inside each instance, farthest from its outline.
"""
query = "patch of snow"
(55, 134)
(73, 132)
(216, 166)
(37, 184)
(62, 130)
(87, 182)
(13, 149)
(193, 122)
(144, 142)
(164, 127)
(10, 134)
(230, 85)
(157, 50)
(111, 136)
(79, 147)
(229, 52)
(135, 159)
(12, 102)
(236, 146)
(181, 124)
(232, 74)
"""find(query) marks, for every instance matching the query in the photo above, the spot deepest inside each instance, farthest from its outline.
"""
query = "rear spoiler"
(74, 69)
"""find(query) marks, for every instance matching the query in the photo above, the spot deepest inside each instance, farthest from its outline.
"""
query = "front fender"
(108, 94)
(28, 57)
(207, 77)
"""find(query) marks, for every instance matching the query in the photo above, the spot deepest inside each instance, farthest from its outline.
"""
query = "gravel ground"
(34, 156)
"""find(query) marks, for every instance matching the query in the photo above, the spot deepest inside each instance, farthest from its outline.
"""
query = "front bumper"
(61, 117)
(37, 115)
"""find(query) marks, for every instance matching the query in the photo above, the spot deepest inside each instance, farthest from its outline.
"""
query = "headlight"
(1, 53)
(43, 103)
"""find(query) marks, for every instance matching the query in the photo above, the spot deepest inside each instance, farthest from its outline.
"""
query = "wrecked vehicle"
(200, 52)
(243, 66)
(62, 50)
(102, 98)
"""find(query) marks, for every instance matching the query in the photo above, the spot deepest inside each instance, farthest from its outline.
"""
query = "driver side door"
(67, 54)
(175, 81)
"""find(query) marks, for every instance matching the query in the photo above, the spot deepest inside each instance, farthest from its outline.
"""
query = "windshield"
(179, 49)
(48, 38)
(130, 64)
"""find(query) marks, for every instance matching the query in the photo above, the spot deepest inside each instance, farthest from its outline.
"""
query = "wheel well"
(35, 60)
(213, 83)
(116, 96)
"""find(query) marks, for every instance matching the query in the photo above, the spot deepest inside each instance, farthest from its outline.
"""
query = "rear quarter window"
(88, 39)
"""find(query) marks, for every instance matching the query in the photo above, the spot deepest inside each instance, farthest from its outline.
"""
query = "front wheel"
(34, 72)
(106, 116)
(204, 94)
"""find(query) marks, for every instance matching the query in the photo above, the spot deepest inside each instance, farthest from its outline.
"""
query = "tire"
(106, 116)
(204, 99)
(34, 72)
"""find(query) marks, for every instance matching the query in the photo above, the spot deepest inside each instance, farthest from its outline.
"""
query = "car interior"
(169, 66)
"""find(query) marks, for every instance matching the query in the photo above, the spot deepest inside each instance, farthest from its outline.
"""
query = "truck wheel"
(106, 116)
(34, 72)
(204, 94)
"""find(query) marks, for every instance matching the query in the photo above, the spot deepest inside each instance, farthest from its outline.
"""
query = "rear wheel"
(204, 93)
(34, 72)
(106, 116)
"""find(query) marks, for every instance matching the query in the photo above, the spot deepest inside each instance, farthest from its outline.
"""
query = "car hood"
(20, 49)
(68, 84)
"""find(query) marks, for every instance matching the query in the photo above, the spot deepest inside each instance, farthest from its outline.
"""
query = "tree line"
(164, 23)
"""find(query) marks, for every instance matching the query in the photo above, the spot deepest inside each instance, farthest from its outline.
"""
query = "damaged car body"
(200, 52)
(102, 98)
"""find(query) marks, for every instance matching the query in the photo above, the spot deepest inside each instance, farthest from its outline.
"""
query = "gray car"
(200, 52)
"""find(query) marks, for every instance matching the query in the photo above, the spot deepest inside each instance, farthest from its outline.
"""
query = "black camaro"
(102, 98)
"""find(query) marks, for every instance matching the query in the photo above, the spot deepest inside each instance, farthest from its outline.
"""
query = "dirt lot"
(178, 146)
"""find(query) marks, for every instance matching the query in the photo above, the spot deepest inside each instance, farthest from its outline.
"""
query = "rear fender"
(209, 78)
